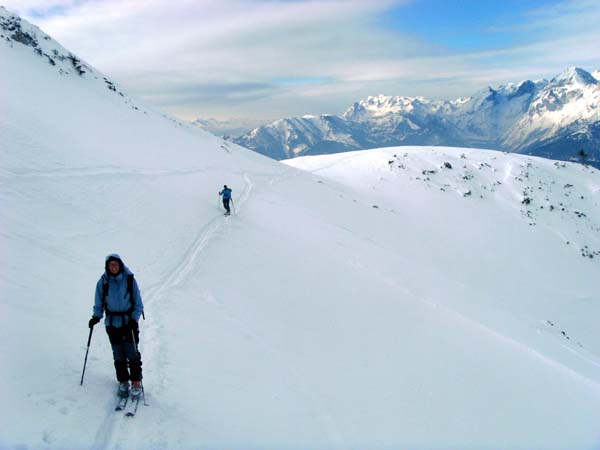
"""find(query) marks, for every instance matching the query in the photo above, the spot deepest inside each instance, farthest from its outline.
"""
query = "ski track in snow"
(324, 417)
(187, 262)
(111, 434)
(105, 431)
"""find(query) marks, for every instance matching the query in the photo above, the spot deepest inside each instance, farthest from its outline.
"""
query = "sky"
(261, 60)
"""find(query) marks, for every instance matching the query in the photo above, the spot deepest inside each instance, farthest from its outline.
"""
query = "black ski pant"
(128, 361)
(226, 204)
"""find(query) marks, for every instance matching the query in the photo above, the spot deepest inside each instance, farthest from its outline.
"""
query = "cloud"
(39, 8)
(247, 53)
(190, 94)
(567, 16)
(236, 40)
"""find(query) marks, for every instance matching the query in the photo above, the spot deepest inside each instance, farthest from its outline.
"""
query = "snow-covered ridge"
(543, 192)
(22, 36)
(16, 31)
(555, 119)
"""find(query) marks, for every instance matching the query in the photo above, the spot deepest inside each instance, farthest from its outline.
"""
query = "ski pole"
(86, 355)
(138, 353)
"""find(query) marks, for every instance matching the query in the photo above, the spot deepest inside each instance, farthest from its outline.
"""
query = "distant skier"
(226, 194)
(118, 295)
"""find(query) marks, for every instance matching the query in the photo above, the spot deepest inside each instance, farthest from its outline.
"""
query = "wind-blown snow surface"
(308, 320)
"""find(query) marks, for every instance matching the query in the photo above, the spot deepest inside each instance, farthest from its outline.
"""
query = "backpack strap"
(130, 290)
(104, 292)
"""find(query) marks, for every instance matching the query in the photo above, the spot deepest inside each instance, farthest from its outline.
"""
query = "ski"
(133, 406)
(121, 404)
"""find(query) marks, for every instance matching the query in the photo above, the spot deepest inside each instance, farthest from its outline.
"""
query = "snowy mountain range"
(404, 298)
(554, 119)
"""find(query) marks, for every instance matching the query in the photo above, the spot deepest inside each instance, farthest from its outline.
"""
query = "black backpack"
(111, 314)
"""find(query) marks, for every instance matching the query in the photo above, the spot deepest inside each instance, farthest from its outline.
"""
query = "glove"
(93, 321)
(134, 325)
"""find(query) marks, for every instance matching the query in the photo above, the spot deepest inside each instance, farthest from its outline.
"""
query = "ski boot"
(124, 389)
(136, 389)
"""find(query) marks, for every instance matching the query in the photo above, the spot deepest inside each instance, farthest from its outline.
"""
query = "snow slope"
(310, 319)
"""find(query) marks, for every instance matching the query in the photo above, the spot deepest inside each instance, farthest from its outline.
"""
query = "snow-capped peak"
(383, 105)
(574, 75)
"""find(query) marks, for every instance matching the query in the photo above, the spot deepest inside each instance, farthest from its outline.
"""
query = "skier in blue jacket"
(226, 194)
(118, 295)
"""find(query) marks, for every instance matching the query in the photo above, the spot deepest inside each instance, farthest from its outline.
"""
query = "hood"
(112, 257)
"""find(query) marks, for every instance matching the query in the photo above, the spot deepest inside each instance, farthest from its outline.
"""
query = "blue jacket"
(226, 193)
(117, 299)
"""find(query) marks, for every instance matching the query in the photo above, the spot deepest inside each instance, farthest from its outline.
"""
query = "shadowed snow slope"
(366, 305)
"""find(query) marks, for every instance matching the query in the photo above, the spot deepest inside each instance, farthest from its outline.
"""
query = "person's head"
(113, 265)
(225, 187)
